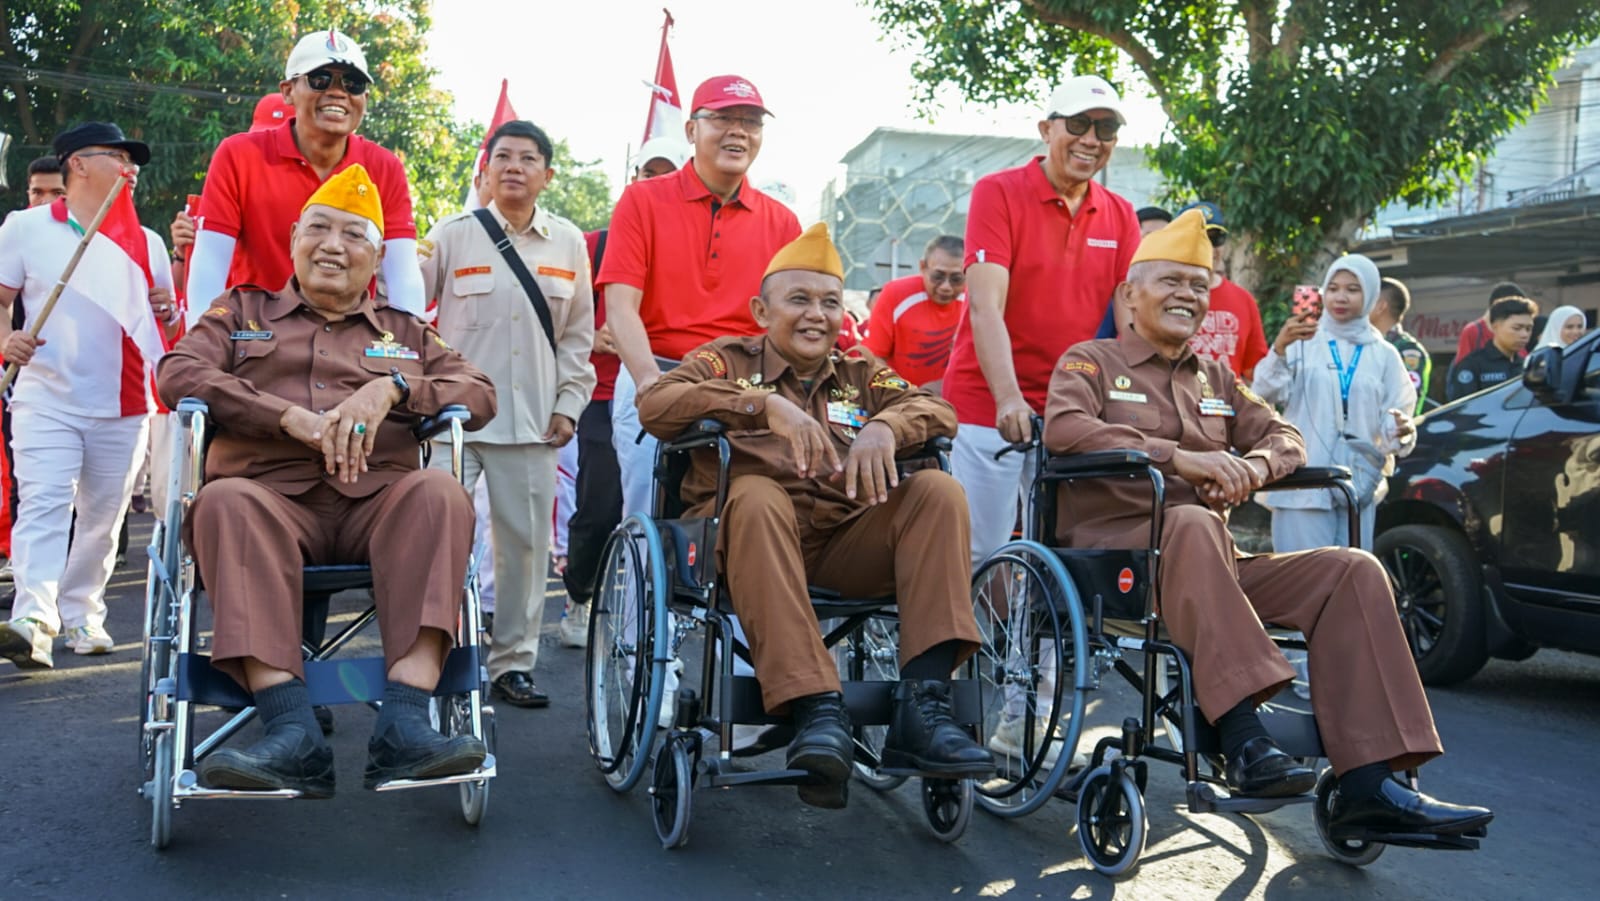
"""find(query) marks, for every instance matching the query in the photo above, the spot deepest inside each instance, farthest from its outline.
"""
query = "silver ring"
(361, 428)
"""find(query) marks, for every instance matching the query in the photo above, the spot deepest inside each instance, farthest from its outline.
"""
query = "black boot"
(924, 737)
(405, 745)
(822, 747)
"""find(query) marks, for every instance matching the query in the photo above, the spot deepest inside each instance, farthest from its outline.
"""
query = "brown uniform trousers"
(779, 531)
(1366, 694)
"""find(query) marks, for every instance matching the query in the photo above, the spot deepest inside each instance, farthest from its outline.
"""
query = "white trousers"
(483, 537)
(636, 460)
(996, 489)
(66, 463)
(1306, 530)
(522, 482)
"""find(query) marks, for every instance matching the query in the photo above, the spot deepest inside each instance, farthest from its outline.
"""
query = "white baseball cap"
(663, 147)
(1082, 93)
(325, 48)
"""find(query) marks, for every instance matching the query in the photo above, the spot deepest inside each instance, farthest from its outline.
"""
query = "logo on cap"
(337, 43)
(740, 89)
(1097, 91)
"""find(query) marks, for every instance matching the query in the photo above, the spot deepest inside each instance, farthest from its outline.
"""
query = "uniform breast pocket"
(471, 294)
(558, 293)
(1143, 417)
(249, 353)
(1215, 429)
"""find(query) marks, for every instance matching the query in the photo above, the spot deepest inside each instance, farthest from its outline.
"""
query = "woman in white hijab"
(1565, 326)
(1346, 389)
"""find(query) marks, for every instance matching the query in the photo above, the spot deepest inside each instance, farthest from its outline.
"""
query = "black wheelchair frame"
(675, 590)
(177, 676)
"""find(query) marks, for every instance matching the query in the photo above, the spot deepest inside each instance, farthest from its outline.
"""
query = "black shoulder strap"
(520, 270)
(600, 248)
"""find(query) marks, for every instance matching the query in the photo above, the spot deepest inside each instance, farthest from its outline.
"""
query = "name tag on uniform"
(1137, 397)
(1215, 406)
(251, 336)
(841, 413)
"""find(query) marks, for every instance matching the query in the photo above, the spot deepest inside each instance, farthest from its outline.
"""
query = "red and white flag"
(114, 275)
(666, 108)
(503, 113)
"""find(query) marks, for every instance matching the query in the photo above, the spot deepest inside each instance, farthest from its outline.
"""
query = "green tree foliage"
(1301, 117)
(183, 74)
(579, 190)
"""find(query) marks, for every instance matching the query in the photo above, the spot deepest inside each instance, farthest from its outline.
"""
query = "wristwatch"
(400, 382)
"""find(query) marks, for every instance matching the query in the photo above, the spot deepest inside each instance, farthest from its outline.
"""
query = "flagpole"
(66, 275)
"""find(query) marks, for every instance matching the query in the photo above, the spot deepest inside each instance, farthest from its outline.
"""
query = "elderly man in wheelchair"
(1216, 442)
(312, 389)
(814, 496)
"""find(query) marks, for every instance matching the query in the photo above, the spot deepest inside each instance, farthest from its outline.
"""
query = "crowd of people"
(297, 300)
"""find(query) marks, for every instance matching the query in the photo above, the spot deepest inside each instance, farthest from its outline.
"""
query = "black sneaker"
(410, 749)
(287, 757)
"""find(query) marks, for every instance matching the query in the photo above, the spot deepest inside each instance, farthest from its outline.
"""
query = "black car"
(1491, 528)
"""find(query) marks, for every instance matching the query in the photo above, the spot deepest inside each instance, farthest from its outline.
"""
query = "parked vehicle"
(1491, 529)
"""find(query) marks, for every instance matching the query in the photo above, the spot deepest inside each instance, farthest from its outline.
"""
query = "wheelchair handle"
(1022, 447)
(440, 421)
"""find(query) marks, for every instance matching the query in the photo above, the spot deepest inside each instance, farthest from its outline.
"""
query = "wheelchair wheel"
(948, 804)
(671, 793)
(158, 790)
(1112, 826)
(871, 654)
(627, 624)
(1356, 854)
(454, 717)
(1034, 644)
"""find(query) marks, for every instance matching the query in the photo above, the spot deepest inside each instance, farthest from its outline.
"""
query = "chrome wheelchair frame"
(657, 585)
(176, 676)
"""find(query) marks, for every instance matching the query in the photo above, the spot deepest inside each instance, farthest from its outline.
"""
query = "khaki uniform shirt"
(1121, 394)
(484, 313)
(254, 354)
(730, 379)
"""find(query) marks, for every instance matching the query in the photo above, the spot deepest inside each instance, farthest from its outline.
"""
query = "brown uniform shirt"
(254, 354)
(729, 380)
(1116, 394)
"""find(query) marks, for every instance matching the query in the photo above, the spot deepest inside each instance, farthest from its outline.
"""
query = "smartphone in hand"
(1307, 302)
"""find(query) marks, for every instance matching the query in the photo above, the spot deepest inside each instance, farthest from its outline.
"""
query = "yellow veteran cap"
(813, 251)
(1183, 240)
(352, 191)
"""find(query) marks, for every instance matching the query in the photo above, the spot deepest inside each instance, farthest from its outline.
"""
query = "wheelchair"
(657, 584)
(177, 676)
(1056, 620)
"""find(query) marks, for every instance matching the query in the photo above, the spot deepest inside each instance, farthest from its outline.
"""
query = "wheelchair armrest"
(192, 405)
(929, 450)
(1310, 477)
(440, 421)
(1099, 463)
(704, 433)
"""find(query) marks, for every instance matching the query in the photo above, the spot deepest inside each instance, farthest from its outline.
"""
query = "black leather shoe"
(923, 736)
(410, 749)
(1262, 770)
(288, 756)
(518, 690)
(1398, 809)
(324, 715)
(822, 747)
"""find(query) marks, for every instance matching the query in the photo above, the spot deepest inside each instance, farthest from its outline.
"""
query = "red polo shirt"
(911, 331)
(257, 184)
(1231, 331)
(1063, 269)
(697, 260)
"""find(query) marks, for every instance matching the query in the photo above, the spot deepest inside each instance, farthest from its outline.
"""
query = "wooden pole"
(66, 275)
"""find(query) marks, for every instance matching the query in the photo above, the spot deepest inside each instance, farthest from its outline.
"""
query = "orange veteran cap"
(1183, 240)
(813, 251)
(352, 191)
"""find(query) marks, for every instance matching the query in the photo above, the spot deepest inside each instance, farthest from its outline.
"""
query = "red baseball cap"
(723, 91)
(271, 112)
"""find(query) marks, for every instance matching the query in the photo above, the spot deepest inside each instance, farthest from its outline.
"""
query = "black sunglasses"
(322, 79)
(1104, 129)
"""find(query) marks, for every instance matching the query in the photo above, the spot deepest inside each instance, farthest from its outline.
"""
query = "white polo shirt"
(88, 366)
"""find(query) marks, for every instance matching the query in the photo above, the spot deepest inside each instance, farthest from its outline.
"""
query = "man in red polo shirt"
(913, 324)
(685, 254)
(258, 181)
(1232, 331)
(1046, 247)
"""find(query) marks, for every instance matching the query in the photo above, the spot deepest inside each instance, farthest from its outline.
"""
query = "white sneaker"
(669, 694)
(88, 640)
(1007, 742)
(26, 643)
(574, 627)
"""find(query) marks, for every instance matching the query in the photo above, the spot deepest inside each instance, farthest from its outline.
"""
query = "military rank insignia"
(719, 366)
(389, 349)
(889, 379)
(1251, 396)
(1083, 366)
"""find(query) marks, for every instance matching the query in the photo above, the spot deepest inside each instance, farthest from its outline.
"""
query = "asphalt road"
(1521, 739)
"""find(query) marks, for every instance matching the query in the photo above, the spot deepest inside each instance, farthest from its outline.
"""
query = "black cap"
(99, 134)
(1149, 213)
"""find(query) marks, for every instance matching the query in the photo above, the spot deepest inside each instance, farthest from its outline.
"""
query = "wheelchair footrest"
(1203, 798)
(189, 788)
(483, 773)
(717, 778)
(1467, 842)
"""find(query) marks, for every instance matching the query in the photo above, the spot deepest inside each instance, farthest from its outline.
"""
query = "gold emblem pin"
(1124, 382)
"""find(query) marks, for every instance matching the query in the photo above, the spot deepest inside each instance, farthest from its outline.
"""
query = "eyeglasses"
(322, 79)
(955, 279)
(1104, 129)
(725, 122)
(122, 156)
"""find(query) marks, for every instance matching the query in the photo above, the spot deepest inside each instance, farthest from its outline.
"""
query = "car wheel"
(1439, 591)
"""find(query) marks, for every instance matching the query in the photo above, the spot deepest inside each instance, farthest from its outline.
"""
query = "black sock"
(1238, 726)
(935, 664)
(401, 701)
(1363, 781)
(287, 703)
